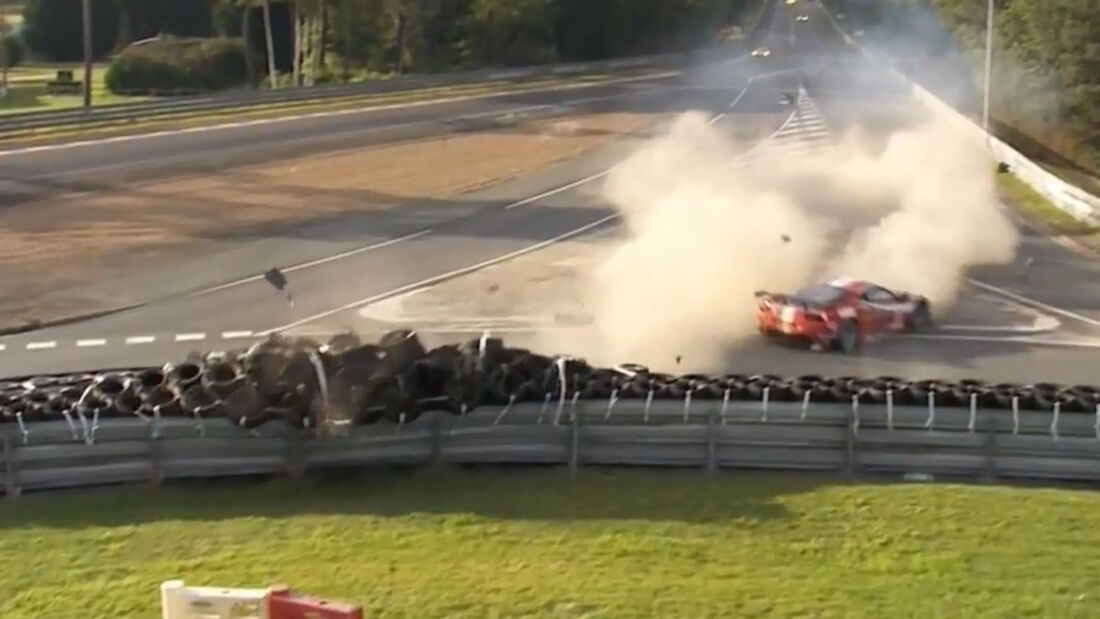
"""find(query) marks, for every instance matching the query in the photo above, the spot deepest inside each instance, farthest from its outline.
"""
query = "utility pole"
(988, 66)
(87, 10)
(4, 34)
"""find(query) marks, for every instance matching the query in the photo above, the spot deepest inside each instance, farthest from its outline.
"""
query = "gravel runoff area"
(537, 544)
(51, 246)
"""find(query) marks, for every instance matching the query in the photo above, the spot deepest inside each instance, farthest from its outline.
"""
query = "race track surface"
(338, 267)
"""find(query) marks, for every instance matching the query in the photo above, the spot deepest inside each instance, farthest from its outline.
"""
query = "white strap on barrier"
(931, 423)
(1054, 421)
(726, 405)
(687, 402)
(507, 407)
(855, 414)
(611, 401)
(805, 405)
(462, 410)
(764, 404)
(890, 410)
(542, 410)
(1015, 414)
(178, 601)
(648, 403)
(1097, 426)
(973, 413)
(23, 431)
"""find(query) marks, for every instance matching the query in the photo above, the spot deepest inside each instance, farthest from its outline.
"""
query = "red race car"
(843, 314)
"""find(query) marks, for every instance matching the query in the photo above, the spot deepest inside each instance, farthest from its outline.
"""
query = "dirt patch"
(50, 245)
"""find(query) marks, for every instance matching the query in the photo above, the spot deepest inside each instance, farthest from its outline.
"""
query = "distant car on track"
(761, 52)
(802, 18)
(843, 314)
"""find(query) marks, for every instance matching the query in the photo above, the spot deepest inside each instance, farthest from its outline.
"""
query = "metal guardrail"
(1069, 198)
(709, 435)
(241, 98)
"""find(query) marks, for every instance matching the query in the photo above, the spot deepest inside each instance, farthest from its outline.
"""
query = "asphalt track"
(345, 264)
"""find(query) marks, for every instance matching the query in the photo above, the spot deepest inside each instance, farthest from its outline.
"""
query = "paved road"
(108, 162)
(371, 258)
(341, 263)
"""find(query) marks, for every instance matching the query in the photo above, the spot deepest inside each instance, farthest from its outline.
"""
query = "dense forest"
(1046, 61)
(347, 39)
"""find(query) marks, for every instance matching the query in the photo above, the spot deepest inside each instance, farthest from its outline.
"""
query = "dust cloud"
(702, 232)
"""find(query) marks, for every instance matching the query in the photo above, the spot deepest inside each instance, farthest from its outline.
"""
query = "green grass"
(533, 544)
(1037, 209)
(27, 92)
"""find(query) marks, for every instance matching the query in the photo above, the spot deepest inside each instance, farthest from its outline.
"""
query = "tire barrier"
(293, 406)
(347, 382)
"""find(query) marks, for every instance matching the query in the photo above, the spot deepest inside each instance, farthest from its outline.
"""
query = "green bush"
(178, 66)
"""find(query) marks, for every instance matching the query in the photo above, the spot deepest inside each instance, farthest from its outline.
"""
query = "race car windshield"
(821, 294)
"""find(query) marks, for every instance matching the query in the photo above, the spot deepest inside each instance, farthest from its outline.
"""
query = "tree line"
(1046, 61)
(309, 41)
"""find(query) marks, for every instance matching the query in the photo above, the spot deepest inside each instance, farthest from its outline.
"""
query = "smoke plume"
(703, 232)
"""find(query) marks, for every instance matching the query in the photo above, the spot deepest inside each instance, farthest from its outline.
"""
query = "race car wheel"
(920, 319)
(847, 337)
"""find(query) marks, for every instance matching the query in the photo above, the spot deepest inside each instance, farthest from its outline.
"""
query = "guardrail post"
(296, 453)
(11, 489)
(991, 448)
(574, 444)
(435, 436)
(156, 472)
(712, 443)
(851, 434)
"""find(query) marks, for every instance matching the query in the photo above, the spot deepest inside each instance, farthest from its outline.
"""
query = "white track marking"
(427, 231)
(1031, 341)
(309, 138)
(141, 339)
(325, 114)
(41, 345)
(190, 337)
(444, 276)
(3, 347)
(91, 343)
(1032, 302)
(234, 335)
(319, 261)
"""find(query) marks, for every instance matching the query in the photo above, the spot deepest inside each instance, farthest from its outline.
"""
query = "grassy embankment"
(535, 544)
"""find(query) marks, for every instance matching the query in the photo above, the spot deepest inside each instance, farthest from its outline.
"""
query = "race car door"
(884, 310)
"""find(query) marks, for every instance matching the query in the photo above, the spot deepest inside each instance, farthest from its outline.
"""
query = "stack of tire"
(396, 379)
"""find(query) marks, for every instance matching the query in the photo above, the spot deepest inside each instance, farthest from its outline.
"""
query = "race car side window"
(879, 295)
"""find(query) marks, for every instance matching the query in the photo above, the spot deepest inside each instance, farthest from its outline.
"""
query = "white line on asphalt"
(233, 335)
(91, 342)
(444, 276)
(319, 261)
(141, 339)
(343, 112)
(190, 337)
(2, 347)
(1037, 304)
(312, 137)
(427, 231)
(40, 345)
(1033, 341)
(475, 267)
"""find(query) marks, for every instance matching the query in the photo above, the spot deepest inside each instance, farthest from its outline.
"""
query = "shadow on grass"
(541, 494)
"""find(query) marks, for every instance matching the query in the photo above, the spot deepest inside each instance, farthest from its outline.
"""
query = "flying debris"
(278, 281)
